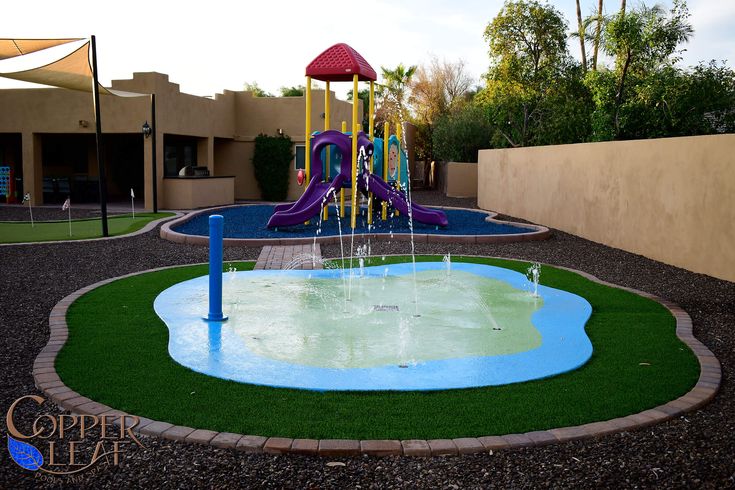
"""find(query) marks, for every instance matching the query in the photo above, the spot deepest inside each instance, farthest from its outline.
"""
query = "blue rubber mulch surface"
(250, 222)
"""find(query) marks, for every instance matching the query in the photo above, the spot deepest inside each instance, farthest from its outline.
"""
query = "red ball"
(300, 177)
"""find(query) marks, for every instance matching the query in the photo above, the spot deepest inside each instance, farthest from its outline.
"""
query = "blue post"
(216, 225)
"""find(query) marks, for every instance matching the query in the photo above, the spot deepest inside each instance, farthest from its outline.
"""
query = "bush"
(459, 135)
(272, 161)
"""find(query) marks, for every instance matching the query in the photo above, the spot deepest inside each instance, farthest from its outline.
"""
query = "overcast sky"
(207, 47)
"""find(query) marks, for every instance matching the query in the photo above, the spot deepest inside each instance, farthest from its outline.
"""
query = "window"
(178, 152)
(300, 158)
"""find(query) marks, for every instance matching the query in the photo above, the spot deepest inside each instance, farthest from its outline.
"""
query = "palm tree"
(580, 30)
(598, 32)
(394, 92)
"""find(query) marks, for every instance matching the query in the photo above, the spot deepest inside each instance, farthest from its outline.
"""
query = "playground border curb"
(150, 226)
(539, 233)
(48, 381)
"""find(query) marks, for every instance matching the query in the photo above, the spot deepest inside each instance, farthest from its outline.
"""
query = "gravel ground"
(696, 450)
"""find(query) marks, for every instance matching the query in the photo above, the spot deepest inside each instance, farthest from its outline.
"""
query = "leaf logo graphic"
(25, 455)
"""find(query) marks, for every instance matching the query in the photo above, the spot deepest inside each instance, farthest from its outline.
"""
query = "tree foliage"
(256, 90)
(295, 91)
(272, 159)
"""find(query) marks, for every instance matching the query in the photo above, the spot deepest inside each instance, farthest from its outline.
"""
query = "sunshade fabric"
(10, 48)
(73, 71)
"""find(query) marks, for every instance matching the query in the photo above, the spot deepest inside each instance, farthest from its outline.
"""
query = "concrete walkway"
(307, 256)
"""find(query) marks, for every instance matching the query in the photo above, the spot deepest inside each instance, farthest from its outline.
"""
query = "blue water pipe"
(216, 228)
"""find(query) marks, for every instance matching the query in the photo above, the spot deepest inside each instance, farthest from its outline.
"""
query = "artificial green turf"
(117, 354)
(46, 231)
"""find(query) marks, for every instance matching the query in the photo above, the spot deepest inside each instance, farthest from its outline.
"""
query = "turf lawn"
(117, 354)
(47, 231)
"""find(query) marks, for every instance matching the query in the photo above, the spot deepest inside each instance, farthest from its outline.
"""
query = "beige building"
(48, 137)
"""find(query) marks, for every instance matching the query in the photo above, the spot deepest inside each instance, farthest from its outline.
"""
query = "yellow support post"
(399, 135)
(354, 211)
(326, 160)
(385, 164)
(371, 115)
(307, 138)
(342, 190)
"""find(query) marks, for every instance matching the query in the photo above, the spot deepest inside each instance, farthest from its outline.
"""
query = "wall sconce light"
(146, 129)
(83, 123)
(279, 131)
(323, 115)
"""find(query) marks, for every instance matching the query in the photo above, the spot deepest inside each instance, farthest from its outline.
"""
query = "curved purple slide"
(397, 199)
(308, 205)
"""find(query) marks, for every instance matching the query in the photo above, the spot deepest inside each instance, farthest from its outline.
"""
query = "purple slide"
(308, 205)
(397, 199)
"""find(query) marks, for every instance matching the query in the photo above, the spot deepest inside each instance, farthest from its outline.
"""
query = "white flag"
(26, 198)
(66, 205)
(132, 193)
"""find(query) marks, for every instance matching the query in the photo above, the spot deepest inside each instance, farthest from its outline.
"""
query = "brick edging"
(148, 227)
(539, 233)
(48, 381)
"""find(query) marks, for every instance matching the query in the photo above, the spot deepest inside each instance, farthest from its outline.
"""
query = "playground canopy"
(339, 63)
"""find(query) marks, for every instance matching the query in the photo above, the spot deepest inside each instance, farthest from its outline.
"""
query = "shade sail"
(72, 71)
(10, 48)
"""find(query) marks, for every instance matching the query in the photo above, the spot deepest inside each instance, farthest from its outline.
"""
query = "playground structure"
(349, 154)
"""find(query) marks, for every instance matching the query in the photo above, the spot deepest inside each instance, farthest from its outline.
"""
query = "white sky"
(210, 46)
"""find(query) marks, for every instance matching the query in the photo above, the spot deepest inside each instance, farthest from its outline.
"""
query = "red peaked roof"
(338, 64)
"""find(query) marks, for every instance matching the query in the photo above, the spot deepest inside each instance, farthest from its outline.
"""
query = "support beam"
(354, 211)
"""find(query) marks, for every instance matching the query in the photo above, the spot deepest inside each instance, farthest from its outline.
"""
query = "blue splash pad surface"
(250, 222)
(215, 349)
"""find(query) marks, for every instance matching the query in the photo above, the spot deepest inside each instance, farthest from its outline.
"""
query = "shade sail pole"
(98, 135)
(154, 171)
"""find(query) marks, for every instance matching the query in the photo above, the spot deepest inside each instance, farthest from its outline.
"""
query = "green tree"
(528, 53)
(436, 88)
(295, 91)
(393, 94)
(256, 90)
(272, 158)
(461, 133)
(642, 40)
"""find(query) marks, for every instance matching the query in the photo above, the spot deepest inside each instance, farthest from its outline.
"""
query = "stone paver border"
(539, 233)
(145, 229)
(48, 381)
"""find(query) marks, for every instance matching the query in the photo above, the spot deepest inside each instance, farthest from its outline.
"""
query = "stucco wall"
(460, 179)
(671, 199)
(198, 193)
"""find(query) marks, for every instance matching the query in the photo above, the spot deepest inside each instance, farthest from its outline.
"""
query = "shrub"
(459, 135)
(272, 161)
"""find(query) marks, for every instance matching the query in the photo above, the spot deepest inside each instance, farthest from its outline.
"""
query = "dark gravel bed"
(695, 450)
(48, 213)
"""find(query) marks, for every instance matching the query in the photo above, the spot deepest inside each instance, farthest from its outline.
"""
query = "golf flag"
(132, 193)
(27, 199)
(132, 201)
(67, 206)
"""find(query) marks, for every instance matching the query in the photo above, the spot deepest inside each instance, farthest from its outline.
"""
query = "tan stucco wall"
(198, 193)
(226, 126)
(672, 199)
(461, 179)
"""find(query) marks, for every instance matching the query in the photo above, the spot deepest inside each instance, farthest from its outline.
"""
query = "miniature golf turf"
(46, 231)
(117, 354)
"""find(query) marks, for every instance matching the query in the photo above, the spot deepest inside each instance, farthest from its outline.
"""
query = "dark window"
(300, 158)
(178, 152)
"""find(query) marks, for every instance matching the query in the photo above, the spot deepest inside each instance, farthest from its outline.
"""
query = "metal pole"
(98, 135)
(155, 151)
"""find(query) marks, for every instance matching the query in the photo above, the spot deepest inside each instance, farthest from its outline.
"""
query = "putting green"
(46, 231)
